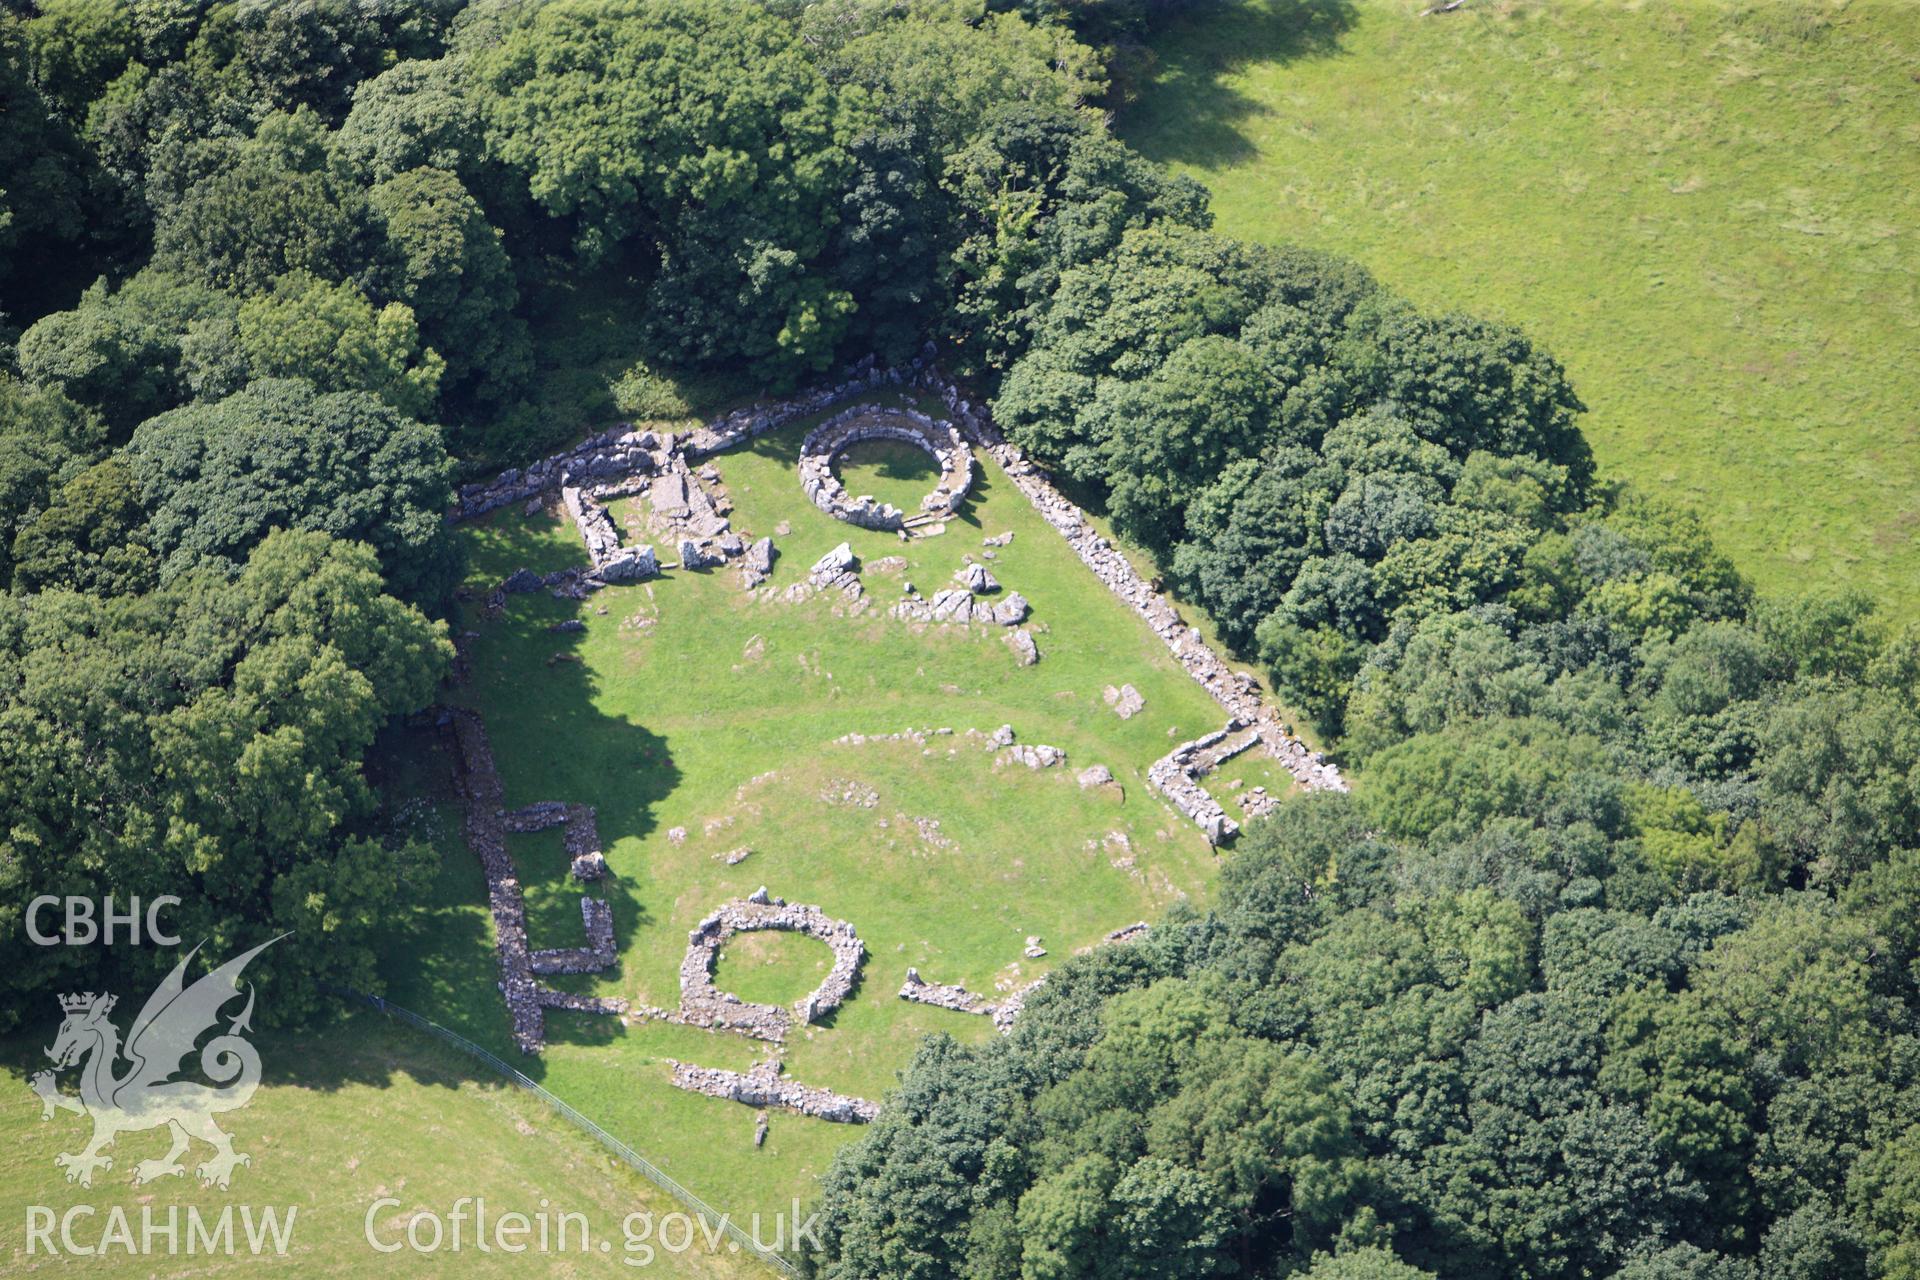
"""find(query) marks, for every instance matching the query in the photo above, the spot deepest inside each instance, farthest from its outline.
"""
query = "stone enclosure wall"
(702, 1004)
(826, 442)
(687, 506)
(486, 828)
(765, 1086)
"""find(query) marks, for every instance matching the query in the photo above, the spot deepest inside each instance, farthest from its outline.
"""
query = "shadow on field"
(551, 742)
(1188, 115)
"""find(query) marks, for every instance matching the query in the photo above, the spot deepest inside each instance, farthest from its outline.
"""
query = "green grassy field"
(689, 707)
(346, 1115)
(1710, 212)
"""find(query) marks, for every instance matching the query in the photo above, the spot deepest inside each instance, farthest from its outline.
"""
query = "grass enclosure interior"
(688, 706)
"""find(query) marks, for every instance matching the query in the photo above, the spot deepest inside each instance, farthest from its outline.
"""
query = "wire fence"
(713, 1218)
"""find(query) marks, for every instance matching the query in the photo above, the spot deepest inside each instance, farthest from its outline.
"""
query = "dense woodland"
(1608, 966)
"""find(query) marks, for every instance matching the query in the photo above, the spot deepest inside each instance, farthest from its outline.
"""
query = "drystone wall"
(1235, 691)
(943, 995)
(702, 1004)
(765, 1086)
(826, 442)
(1006, 1010)
(486, 826)
(1177, 776)
(598, 954)
(580, 834)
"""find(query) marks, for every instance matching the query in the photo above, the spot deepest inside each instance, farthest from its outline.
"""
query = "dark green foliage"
(204, 740)
(217, 477)
(1312, 461)
(247, 212)
(131, 352)
(714, 168)
(449, 267)
(89, 538)
(44, 439)
(414, 115)
(59, 213)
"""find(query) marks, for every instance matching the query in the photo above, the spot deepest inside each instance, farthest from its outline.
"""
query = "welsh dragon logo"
(145, 1095)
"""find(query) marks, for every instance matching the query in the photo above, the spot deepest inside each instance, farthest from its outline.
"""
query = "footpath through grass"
(702, 723)
(1710, 212)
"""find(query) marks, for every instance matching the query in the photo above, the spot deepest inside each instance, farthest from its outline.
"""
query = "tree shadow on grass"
(551, 742)
(889, 460)
(1189, 114)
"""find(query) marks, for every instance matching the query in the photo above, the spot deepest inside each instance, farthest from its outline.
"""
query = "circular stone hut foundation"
(940, 440)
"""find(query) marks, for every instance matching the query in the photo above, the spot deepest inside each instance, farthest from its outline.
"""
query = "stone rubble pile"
(756, 566)
(826, 442)
(941, 995)
(1007, 1011)
(765, 1086)
(838, 570)
(975, 578)
(1036, 756)
(702, 1004)
(1258, 803)
(960, 606)
(1025, 650)
(1125, 701)
(486, 827)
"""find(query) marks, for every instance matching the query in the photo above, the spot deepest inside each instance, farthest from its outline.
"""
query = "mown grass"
(346, 1115)
(700, 722)
(1709, 211)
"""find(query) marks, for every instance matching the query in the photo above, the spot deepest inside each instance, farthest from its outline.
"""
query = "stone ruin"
(961, 606)
(1006, 1010)
(692, 518)
(702, 1004)
(756, 566)
(688, 509)
(837, 570)
(1036, 756)
(825, 443)
(486, 826)
(1126, 701)
(1177, 775)
(765, 1086)
(942, 995)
